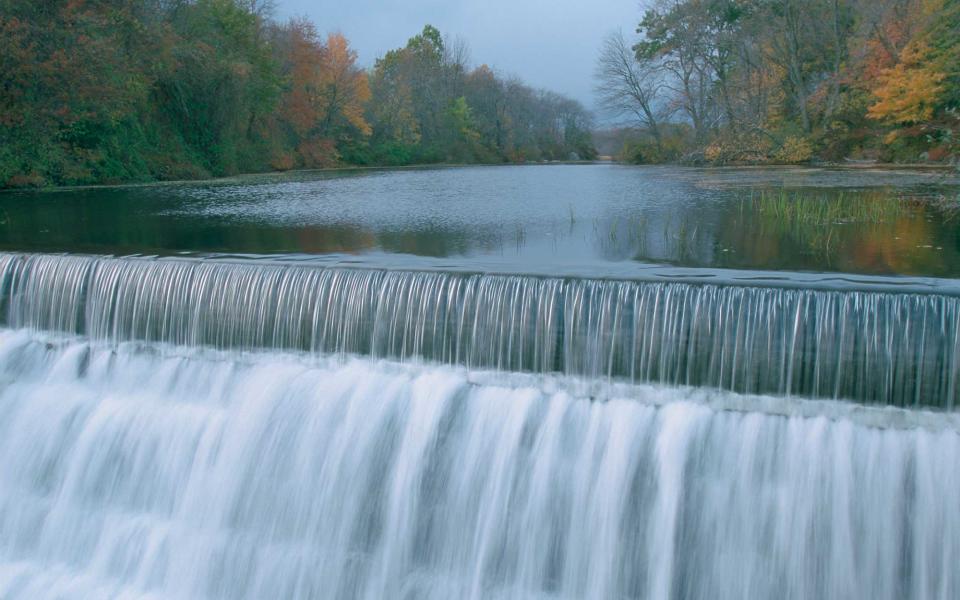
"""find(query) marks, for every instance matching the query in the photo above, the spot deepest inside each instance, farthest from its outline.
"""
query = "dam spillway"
(900, 349)
(191, 428)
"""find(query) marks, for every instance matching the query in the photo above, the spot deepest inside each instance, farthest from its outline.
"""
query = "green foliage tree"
(99, 91)
(428, 107)
(70, 95)
(221, 81)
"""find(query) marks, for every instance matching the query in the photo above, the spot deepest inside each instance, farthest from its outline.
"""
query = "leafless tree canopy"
(627, 87)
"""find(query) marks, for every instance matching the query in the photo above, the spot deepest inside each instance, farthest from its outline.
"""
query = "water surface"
(160, 472)
(579, 219)
(545, 382)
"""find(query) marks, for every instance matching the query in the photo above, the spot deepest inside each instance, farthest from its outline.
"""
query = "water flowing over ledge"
(871, 347)
(131, 471)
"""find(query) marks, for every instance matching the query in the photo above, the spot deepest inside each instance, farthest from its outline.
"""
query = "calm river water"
(582, 219)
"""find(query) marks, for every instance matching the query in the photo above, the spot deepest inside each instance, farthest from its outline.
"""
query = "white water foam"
(149, 471)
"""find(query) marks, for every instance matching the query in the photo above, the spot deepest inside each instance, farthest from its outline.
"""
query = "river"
(543, 382)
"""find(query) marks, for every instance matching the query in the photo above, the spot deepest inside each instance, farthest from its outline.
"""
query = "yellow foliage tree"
(344, 89)
(908, 91)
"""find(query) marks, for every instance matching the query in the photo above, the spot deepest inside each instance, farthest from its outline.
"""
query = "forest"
(785, 81)
(108, 91)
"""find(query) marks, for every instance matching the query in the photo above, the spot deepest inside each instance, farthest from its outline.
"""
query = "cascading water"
(204, 429)
(873, 347)
(187, 473)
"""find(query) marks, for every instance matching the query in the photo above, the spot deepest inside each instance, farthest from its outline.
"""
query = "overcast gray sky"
(548, 43)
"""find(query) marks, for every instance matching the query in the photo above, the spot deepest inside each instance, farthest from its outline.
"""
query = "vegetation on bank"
(106, 91)
(786, 81)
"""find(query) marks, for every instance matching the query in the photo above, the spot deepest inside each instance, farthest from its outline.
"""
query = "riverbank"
(246, 177)
(945, 169)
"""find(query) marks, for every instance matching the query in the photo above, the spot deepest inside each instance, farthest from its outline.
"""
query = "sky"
(551, 44)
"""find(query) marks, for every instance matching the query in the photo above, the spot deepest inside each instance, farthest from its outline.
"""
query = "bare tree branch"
(627, 86)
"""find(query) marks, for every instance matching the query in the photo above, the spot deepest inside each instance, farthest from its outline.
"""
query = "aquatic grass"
(812, 219)
(823, 209)
(948, 205)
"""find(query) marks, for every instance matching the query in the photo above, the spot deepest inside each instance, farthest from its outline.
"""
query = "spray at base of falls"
(145, 470)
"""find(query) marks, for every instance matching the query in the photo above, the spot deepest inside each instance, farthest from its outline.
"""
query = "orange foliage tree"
(299, 108)
(908, 91)
(911, 90)
(326, 95)
(344, 90)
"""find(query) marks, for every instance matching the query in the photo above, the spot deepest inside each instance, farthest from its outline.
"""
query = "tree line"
(104, 91)
(787, 81)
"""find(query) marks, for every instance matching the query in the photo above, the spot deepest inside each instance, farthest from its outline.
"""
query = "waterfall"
(229, 430)
(873, 347)
(149, 470)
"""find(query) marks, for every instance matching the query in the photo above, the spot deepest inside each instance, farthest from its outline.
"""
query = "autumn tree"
(923, 78)
(302, 58)
(763, 80)
(72, 84)
(325, 97)
(344, 91)
(120, 90)
(909, 91)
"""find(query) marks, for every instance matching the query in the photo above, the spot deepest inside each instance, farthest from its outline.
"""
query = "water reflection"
(531, 217)
(870, 231)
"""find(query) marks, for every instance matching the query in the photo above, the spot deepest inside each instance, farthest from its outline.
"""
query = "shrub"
(795, 149)
(738, 147)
